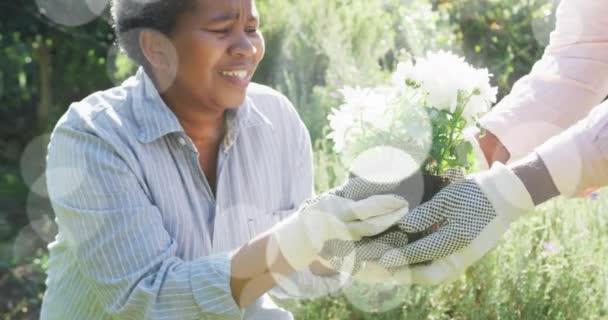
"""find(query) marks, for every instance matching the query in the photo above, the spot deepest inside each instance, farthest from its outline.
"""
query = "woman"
(155, 182)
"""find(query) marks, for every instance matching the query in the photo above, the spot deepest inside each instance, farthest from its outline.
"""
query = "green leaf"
(462, 152)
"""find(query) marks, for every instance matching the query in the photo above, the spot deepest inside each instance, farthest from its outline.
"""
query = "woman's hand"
(492, 149)
(296, 242)
(301, 237)
(474, 215)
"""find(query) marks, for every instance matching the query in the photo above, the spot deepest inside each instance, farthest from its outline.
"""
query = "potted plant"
(409, 137)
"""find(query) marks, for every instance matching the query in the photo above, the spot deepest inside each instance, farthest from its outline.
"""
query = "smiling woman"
(202, 65)
(169, 190)
(225, 33)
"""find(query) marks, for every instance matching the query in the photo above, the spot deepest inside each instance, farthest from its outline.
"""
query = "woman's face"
(219, 47)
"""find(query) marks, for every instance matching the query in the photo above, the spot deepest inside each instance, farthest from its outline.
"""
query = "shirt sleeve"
(577, 159)
(569, 80)
(117, 237)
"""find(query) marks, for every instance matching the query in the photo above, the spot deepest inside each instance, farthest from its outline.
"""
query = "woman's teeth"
(241, 74)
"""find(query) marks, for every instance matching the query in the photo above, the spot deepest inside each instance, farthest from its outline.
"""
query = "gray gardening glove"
(348, 256)
(475, 214)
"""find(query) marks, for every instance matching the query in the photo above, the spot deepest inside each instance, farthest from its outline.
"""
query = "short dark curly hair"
(132, 16)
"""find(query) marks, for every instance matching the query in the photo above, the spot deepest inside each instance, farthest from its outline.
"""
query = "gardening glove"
(474, 215)
(347, 256)
(301, 236)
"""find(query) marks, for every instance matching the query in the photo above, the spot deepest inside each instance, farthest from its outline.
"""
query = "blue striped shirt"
(141, 235)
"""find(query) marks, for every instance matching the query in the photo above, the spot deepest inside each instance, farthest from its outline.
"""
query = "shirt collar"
(153, 116)
(156, 120)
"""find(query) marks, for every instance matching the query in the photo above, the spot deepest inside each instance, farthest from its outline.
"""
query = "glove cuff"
(293, 240)
(505, 191)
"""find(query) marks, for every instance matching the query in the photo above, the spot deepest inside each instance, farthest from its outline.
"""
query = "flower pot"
(417, 188)
(430, 185)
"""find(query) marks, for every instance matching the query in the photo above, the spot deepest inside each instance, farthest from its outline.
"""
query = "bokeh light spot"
(72, 13)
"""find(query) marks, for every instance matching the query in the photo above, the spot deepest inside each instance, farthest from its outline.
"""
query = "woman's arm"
(569, 80)
(577, 159)
(118, 238)
(476, 212)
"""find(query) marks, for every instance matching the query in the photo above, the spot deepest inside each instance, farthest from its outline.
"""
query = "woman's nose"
(243, 45)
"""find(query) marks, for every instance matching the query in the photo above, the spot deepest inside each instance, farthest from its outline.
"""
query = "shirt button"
(182, 141)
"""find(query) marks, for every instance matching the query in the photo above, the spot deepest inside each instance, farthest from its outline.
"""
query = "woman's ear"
(157, 49)
(161, 55)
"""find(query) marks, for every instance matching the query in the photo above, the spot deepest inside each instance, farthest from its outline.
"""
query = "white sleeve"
(577, 159)
(569, 80)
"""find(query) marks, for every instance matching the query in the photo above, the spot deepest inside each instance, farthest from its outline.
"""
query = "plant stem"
(456, 117)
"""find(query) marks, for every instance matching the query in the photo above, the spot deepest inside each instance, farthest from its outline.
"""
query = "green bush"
(316, 46)
(505, 36)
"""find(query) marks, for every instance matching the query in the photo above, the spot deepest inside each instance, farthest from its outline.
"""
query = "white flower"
(362, 108)
(394, 113)
(369, 105)
(442, 74)
(340, 122)
(405, 71)
(476, 107)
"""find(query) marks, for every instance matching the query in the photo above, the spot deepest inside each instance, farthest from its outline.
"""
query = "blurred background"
(551, 265)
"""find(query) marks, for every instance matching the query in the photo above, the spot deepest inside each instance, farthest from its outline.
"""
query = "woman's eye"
(251, 30)
(221, 31)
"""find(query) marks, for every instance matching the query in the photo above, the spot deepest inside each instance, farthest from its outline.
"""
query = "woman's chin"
(234, 100)
(233, 106)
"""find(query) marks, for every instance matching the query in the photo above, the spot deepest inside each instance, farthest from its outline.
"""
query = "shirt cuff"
(577, 159)
(563, 161)
(505, 191)
(210, 281)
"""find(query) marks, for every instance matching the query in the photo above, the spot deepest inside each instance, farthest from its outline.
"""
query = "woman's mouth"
(239, 78)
